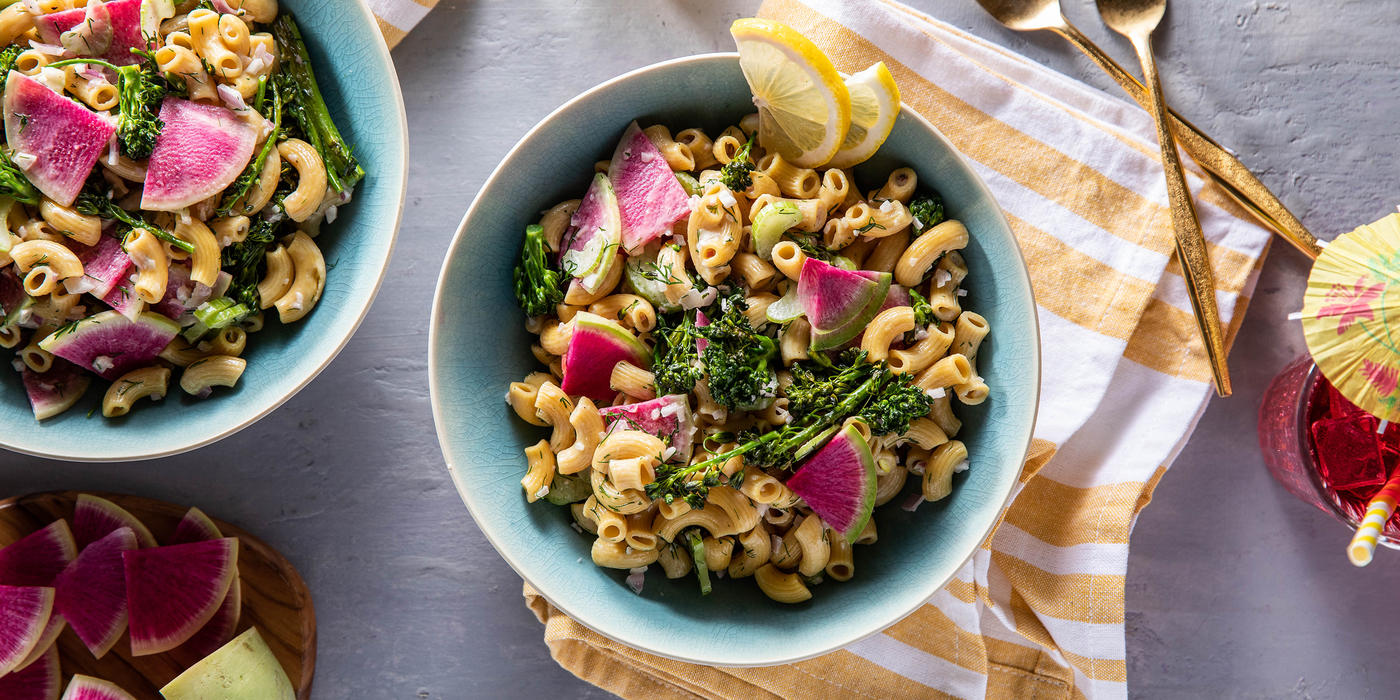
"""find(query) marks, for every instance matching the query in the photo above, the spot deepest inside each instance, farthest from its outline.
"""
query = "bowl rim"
(383, 51)
(434, 369)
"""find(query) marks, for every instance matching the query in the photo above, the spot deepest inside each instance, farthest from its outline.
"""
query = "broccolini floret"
(143, 89)
(14, 184)
(737, 174)
(927, 210)
(736, 357)
(675, 361)
(302, 99)
(538, 285)
(8, 57)
(824, 397)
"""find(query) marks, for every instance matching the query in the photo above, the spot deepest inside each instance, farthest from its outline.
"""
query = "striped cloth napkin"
(1038, 611)
(397, 17)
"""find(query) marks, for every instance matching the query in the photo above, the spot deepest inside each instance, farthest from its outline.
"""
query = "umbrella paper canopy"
(1351, 316)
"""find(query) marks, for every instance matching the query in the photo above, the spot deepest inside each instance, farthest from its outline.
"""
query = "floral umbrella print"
(1351, 316)
(1352, 303)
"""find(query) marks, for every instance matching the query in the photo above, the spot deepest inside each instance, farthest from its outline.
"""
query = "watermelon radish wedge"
(91, 593)
(56, 390)
(243, 669)
(666, 417)
(13, 299)
(649, 196)
(104, 266)
(195, 527)
(838, 483)
(56, 140)
(24, 615)
(201, 150)
(50, 634)
(220, 628)
(832, 297)
(39, 558)
(595, 231)
(124, 20)
(89, 688)
(111, 344)
(595, 347)
(172, 592)
(40, 680)
(95, 518)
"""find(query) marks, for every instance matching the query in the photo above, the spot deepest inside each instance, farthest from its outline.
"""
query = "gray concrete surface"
(1235, 590)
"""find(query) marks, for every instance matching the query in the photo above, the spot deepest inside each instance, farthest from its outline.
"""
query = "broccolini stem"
(342, 170)
(787, 441)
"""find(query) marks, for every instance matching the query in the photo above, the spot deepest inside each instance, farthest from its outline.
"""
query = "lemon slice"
(804, 108)
(874, 107)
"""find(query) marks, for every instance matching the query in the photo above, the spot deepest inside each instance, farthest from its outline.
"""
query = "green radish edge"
(588, 256)
(95, 518)
(832, 297)
(770, 224)
(827, 341)
(596, 346)
(652, 290)
(787, 308)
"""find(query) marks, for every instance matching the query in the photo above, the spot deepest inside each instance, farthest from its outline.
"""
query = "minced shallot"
(636, 580)
(912, 503)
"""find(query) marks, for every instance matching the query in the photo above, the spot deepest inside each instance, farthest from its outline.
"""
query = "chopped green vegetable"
(689, 184)
(302, 98)
(220, 313)
(675, 362)
(736, 357)
(538, 284)
(923, 315)
(737, 174)
(697, 552)
(927, 210)
(246, 261)
(14, 184)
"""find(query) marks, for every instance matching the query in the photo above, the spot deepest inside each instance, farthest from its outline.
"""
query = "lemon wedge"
(874, 107)
(804, 108)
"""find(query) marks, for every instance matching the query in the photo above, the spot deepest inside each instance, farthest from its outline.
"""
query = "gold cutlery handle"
(1190, 240)
(1223, 168)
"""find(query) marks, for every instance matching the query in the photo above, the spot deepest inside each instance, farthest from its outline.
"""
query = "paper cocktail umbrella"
(1351, 316)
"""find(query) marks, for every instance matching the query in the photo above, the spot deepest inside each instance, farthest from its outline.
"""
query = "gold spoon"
(1136, 20)
(1226, 170)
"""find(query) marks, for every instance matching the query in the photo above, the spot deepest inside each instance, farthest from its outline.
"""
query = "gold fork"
(1223, 168)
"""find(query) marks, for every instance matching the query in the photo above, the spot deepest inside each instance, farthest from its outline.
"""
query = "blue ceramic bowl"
(358, 81)
(479, 345)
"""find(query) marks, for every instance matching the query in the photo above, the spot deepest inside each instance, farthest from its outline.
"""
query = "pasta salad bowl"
(360, 89)
(479, 345)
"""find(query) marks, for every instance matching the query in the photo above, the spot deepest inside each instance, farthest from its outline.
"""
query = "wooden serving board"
(274, 597)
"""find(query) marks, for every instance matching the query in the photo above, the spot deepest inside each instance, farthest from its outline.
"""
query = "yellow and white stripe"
(1363, 544)
(398, 17)
(1039, 610)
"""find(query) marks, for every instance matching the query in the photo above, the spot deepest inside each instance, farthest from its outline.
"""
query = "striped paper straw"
(1378, 511)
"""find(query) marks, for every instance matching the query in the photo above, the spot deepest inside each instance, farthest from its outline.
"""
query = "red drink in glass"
(1324, 449)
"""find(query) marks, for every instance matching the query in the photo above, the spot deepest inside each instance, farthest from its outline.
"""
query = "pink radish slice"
(172, 592)
(24, 614)
(596, 346)
(39, 557)
(125, 18)
(649, 196)
(220, 628)
(64, 137)
(111, 344)
(94, 518)
(92, 592)
(49, 392)
(89, 688)
(666, 417)
(195, 527)
(105, 265)
(172, 306)
(201, 150)
(40, 680)
(838, 483)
